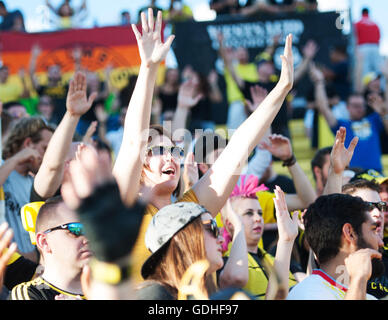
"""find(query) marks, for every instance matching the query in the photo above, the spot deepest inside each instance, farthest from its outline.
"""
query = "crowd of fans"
(103, 197)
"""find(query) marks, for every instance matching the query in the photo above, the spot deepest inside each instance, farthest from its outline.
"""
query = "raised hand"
(310, 49)
(316, 75)
(287, 227)
(186, 95)
(287, 72)
(77, 102)
(7, 249)
(151, 49)
(340, 156)
(86, 172)
(279, 146)
(190, 171)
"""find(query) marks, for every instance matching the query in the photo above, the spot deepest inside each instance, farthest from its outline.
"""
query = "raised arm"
(288, 231)
(280, 147)
(215, 186)
(186, 100)
(321, 99)
(339, 160)
(235, 272)
(128, 165)
(226, 55)
(50, 174)
(309, 52)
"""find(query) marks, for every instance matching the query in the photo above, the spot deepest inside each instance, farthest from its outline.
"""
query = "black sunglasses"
(175, 151)
(75, 228)
(381, 205)
(211, 225)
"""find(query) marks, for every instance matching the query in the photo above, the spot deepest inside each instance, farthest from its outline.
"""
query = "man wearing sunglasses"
(65, 250)
(369, 192)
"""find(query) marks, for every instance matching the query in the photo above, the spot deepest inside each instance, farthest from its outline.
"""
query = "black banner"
(196, 43)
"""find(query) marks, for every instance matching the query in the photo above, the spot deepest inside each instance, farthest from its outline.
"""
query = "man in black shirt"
(64, 248)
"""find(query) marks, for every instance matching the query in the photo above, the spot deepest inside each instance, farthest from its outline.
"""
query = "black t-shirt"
(378, 287)
(280, 123)
(21, 270)
(169, 101)
(202, 110)
(153, 291)
(34, 196)
(37, 289)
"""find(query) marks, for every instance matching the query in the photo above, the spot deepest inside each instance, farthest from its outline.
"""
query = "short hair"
(353, 186)
(24, 128)
(46, 213)
(319, 158)
(365, 10)
(2, 4)
(324, 220)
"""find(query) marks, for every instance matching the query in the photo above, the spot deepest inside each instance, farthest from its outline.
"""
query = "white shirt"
(320, 286)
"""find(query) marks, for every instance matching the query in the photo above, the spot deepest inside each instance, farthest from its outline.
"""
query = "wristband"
(109, 273)
(385, 117)
(289, 162)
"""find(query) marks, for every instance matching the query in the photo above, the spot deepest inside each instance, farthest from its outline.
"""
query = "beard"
(378, 267)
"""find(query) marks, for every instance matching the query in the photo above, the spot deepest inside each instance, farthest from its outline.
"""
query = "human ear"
(41, 242)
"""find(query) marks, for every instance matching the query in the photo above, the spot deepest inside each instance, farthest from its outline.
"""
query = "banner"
(196, 43)
(101, 47)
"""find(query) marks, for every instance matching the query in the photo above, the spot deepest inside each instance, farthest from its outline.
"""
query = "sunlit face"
(213, 247)
(370, 237)
(376, 215)
(161, 170)
(252, 217)
(66, 250)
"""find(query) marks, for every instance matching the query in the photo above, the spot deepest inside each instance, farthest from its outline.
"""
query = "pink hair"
(248, 187)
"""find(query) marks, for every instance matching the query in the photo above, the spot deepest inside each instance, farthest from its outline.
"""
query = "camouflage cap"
(164, 225)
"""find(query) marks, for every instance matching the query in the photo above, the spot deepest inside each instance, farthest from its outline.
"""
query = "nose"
(257, 217)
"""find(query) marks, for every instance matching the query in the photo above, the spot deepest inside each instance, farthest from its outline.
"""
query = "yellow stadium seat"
(29, 213)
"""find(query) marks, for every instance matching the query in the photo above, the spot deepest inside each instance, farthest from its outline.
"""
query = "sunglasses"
(75, 228)
(175, 151)
(211, 226)
(381, 205)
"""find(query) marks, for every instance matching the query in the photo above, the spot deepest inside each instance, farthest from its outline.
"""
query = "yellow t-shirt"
(11, 90)
(140, 253)
(247, 72)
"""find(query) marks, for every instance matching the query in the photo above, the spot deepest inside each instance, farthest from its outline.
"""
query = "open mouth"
(378, 226)
(169, 171)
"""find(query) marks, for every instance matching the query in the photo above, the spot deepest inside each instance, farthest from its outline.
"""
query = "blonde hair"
(23, 129)
(184, 249)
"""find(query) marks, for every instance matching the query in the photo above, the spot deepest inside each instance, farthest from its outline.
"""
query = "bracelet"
(289, 162)
(109, 273)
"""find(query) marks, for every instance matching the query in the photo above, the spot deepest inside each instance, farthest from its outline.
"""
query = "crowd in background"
(75, 149)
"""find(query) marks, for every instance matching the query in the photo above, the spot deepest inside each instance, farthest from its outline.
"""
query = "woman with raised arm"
(161, 169)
